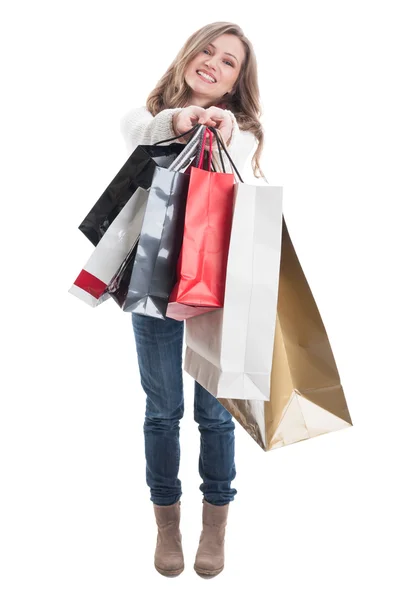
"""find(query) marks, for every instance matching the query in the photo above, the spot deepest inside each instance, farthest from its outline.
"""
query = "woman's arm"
(138, 126)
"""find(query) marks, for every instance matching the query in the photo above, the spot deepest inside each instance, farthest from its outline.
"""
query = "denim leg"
(159, 351)
(217, 447)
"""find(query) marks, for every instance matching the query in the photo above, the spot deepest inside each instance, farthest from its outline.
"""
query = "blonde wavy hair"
(172, 91)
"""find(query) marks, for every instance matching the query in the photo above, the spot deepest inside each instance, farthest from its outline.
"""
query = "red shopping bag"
(202, 263)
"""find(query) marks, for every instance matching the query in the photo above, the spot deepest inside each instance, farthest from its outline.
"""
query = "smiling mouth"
(205, 78)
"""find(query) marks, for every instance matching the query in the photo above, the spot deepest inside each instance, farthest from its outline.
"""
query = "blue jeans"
(159, 349)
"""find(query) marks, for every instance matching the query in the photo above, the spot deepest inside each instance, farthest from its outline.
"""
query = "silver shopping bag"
(154, 270)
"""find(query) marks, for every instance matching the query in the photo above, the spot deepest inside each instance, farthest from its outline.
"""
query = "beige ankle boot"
(209, 559)
(169, 559)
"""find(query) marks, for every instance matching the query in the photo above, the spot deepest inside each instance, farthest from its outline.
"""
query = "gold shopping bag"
(307, 398)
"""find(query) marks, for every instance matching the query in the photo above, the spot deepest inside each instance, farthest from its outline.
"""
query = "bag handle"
(226, 152)
(195, 162)
(188, 150)
(188, 153)
(177, 137)
(193, 152)
(202, 150)
(221, 141)
(220, 151)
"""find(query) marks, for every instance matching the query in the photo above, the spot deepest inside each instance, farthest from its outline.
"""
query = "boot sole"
(207, 573)
(172, 573)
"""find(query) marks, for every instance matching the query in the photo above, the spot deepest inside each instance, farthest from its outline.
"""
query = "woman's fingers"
(210, 117)
(187, 118)
(210, 123)
(207, 118)
(196, 114)
(220, 119)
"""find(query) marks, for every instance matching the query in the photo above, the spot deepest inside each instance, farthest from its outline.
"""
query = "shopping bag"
(120, 229)
(307, 398)
(118, 288)
(136, 172)
(202, 263)
(154, 269)
(229, 351)
(119, 285)
(114, 247)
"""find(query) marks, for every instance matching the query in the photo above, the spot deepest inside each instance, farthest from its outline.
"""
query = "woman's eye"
(226, 61)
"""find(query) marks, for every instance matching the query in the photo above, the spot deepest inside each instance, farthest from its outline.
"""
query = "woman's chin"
(203, 91)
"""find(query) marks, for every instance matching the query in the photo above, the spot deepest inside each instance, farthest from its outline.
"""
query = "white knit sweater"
(138, 126)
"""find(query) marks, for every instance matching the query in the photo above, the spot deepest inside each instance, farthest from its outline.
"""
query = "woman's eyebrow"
(229, 54)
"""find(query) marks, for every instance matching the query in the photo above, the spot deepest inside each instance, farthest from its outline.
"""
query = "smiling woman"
(216, 70)
(212, 80)
(218, 66)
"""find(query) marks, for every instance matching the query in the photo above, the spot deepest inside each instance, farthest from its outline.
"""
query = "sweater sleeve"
(138, 126)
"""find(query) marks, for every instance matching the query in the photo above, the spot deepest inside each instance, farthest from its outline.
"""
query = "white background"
(313, 520)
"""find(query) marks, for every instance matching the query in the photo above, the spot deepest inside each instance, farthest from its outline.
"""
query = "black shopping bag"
(136, 172)
(119, 286)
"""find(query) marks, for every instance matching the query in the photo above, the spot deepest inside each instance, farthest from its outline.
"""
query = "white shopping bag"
(229, 351)
(111, 251)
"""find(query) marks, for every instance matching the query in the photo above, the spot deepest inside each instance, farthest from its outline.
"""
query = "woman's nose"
(210, 65)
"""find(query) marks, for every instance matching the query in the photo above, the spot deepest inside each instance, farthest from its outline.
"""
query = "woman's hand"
(213, 116)
(220, 119)
(185, 119)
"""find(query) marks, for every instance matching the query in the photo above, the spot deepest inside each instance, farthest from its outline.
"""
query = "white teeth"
(206, 76)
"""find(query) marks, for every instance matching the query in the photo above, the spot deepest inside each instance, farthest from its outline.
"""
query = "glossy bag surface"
(202, 263)
(136, 172)
(154, 269)
(118, 289)
(118, 242)
(307, 398)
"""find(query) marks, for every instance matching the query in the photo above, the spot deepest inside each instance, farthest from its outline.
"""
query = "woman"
(213, 81)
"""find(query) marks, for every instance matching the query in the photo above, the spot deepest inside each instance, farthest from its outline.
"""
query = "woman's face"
(222, 60)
